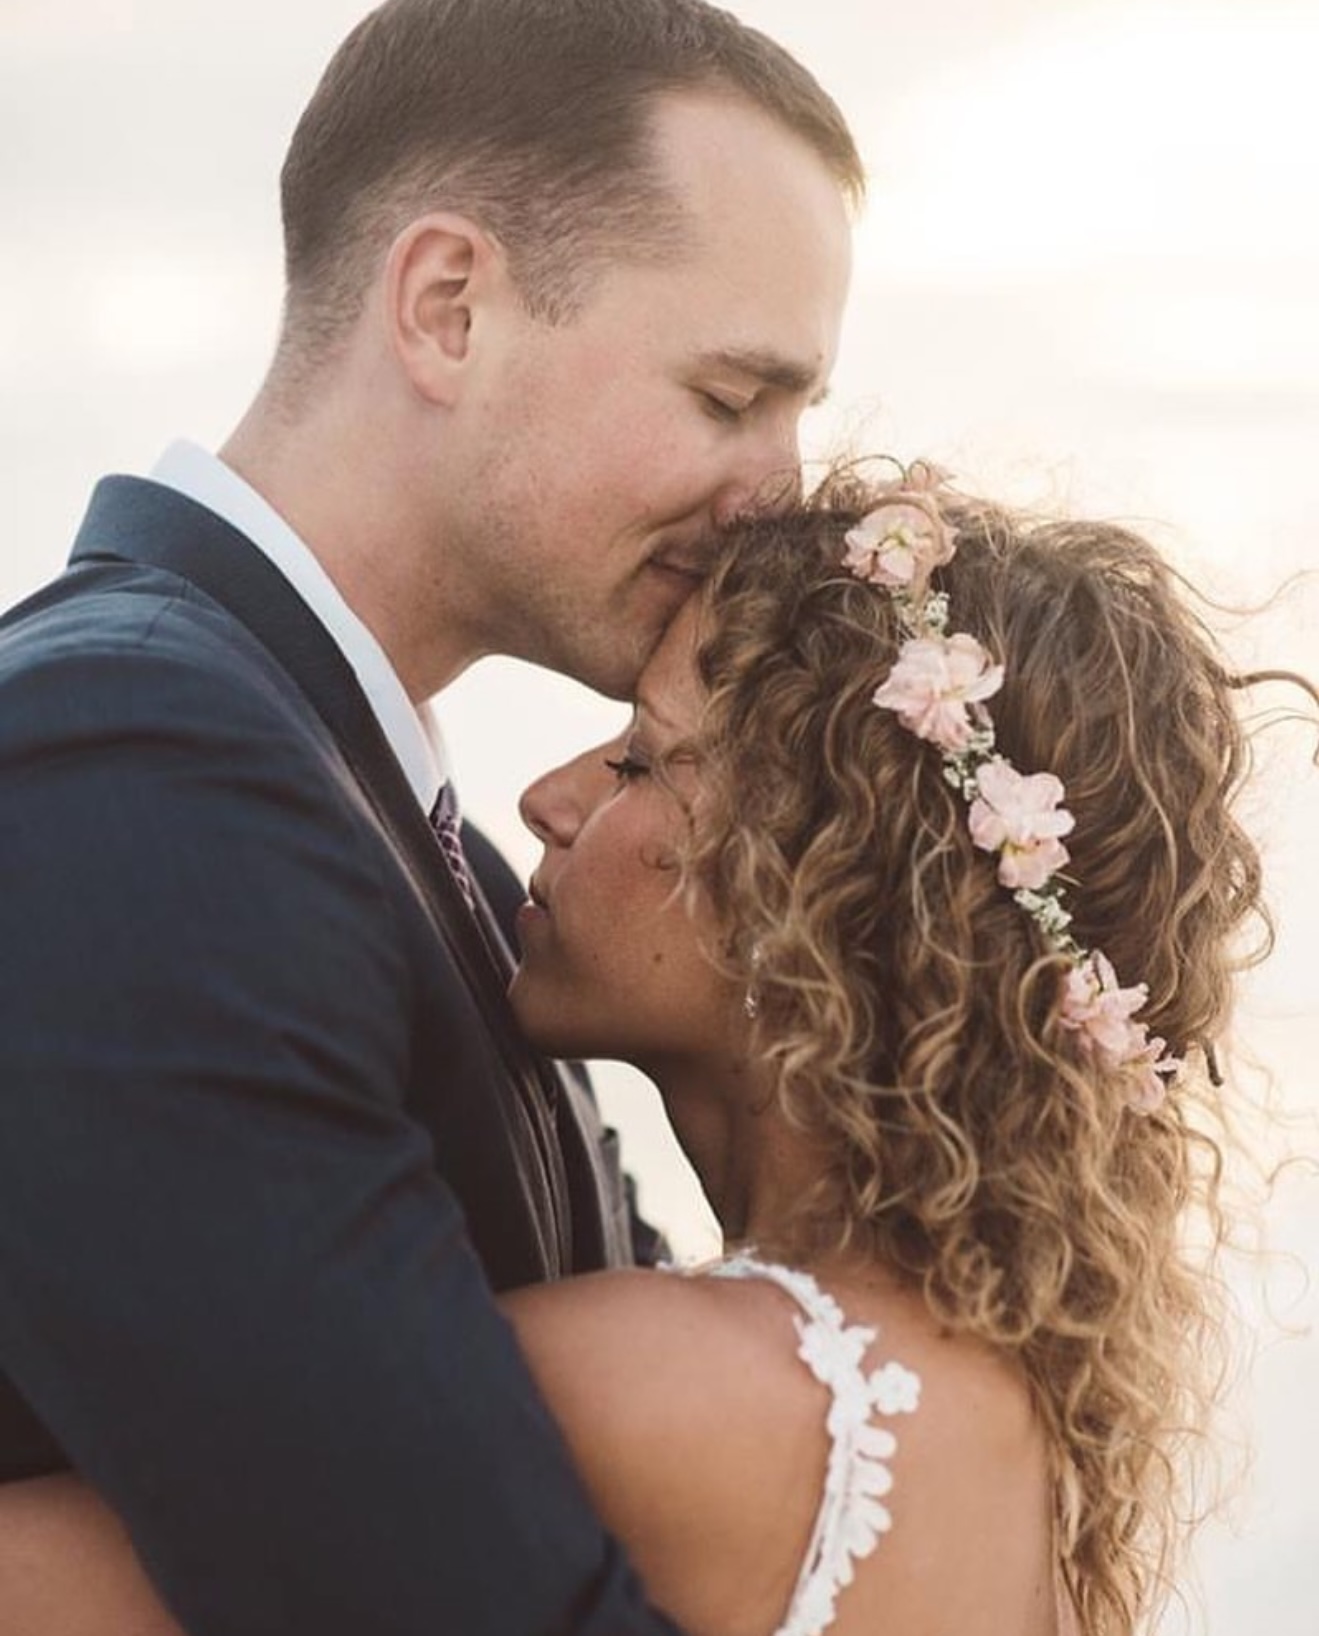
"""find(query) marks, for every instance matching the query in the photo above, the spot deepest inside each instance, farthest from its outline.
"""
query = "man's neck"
(352, 515)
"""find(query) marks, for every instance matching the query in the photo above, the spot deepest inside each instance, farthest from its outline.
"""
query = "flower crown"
(937, 690)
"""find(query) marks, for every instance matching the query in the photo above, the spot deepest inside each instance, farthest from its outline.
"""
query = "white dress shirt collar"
(412, 731)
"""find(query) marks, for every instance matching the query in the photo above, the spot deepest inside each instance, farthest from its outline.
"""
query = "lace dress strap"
(852, 1512)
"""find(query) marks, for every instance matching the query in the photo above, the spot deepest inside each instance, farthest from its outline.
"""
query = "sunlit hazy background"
(1087, 277)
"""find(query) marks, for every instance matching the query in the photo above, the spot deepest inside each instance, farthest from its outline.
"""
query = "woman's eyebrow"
(643, 706)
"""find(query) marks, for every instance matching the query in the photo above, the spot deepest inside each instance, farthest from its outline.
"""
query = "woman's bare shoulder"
(623, 1312)
(664, 1358)
(700, 1435)
(67, 1567)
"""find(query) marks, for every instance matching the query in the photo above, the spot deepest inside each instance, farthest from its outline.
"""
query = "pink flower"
(1101, 1012)
(900, 543)
(1150, 1068)
(1015, 814)
(932, 683)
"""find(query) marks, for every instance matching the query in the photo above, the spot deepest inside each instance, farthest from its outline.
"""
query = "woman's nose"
(553, 807)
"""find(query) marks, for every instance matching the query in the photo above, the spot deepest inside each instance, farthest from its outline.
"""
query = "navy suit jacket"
(264, 1118)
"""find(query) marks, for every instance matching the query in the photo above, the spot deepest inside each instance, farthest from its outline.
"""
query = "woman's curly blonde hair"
(910, 1006)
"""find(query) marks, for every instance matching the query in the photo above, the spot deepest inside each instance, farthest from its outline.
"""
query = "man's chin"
(610, 656)
(614, 673)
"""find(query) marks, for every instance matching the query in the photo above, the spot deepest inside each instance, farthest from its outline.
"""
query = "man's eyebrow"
(769, 367)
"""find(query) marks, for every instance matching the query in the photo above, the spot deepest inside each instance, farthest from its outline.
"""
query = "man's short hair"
(533, 117)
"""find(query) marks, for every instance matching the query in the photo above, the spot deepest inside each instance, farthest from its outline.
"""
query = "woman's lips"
(530, 920)
(535, 910)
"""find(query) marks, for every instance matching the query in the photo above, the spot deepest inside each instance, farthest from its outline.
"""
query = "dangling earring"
(751, 999)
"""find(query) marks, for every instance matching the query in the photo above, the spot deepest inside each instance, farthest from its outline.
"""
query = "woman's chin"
(542, 1021)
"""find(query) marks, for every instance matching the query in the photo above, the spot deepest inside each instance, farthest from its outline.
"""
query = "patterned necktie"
(445, 821)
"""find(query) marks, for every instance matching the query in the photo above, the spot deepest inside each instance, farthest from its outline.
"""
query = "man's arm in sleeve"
(231, 1283)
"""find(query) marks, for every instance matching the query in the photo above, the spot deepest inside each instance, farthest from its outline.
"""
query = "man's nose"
(767, 474)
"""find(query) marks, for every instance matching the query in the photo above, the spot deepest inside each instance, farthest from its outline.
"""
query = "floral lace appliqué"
(852, 1512)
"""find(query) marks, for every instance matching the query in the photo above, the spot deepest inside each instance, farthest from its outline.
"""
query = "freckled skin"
(617, 966)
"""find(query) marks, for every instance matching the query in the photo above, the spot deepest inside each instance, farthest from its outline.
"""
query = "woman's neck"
(753, 1166)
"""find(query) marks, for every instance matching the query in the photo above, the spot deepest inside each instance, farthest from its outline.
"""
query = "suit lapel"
(144, 522)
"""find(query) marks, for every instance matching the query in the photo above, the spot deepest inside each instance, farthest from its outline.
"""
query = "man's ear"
(439, 270)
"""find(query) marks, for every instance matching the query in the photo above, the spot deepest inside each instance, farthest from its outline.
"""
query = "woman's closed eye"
(627, 767)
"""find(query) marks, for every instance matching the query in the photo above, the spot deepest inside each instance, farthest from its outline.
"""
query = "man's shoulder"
(103, 607)
(108, 638)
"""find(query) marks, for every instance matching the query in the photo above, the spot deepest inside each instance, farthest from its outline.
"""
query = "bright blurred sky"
(1088, 276)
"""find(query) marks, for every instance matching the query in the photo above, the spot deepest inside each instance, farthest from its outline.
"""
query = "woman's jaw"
(620, 952)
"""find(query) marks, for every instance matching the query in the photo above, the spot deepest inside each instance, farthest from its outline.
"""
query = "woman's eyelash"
(627, 767)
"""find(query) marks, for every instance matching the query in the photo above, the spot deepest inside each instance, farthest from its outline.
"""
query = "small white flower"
(895, 1390)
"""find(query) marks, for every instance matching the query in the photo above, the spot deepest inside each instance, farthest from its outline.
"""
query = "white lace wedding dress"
(852, 1513)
